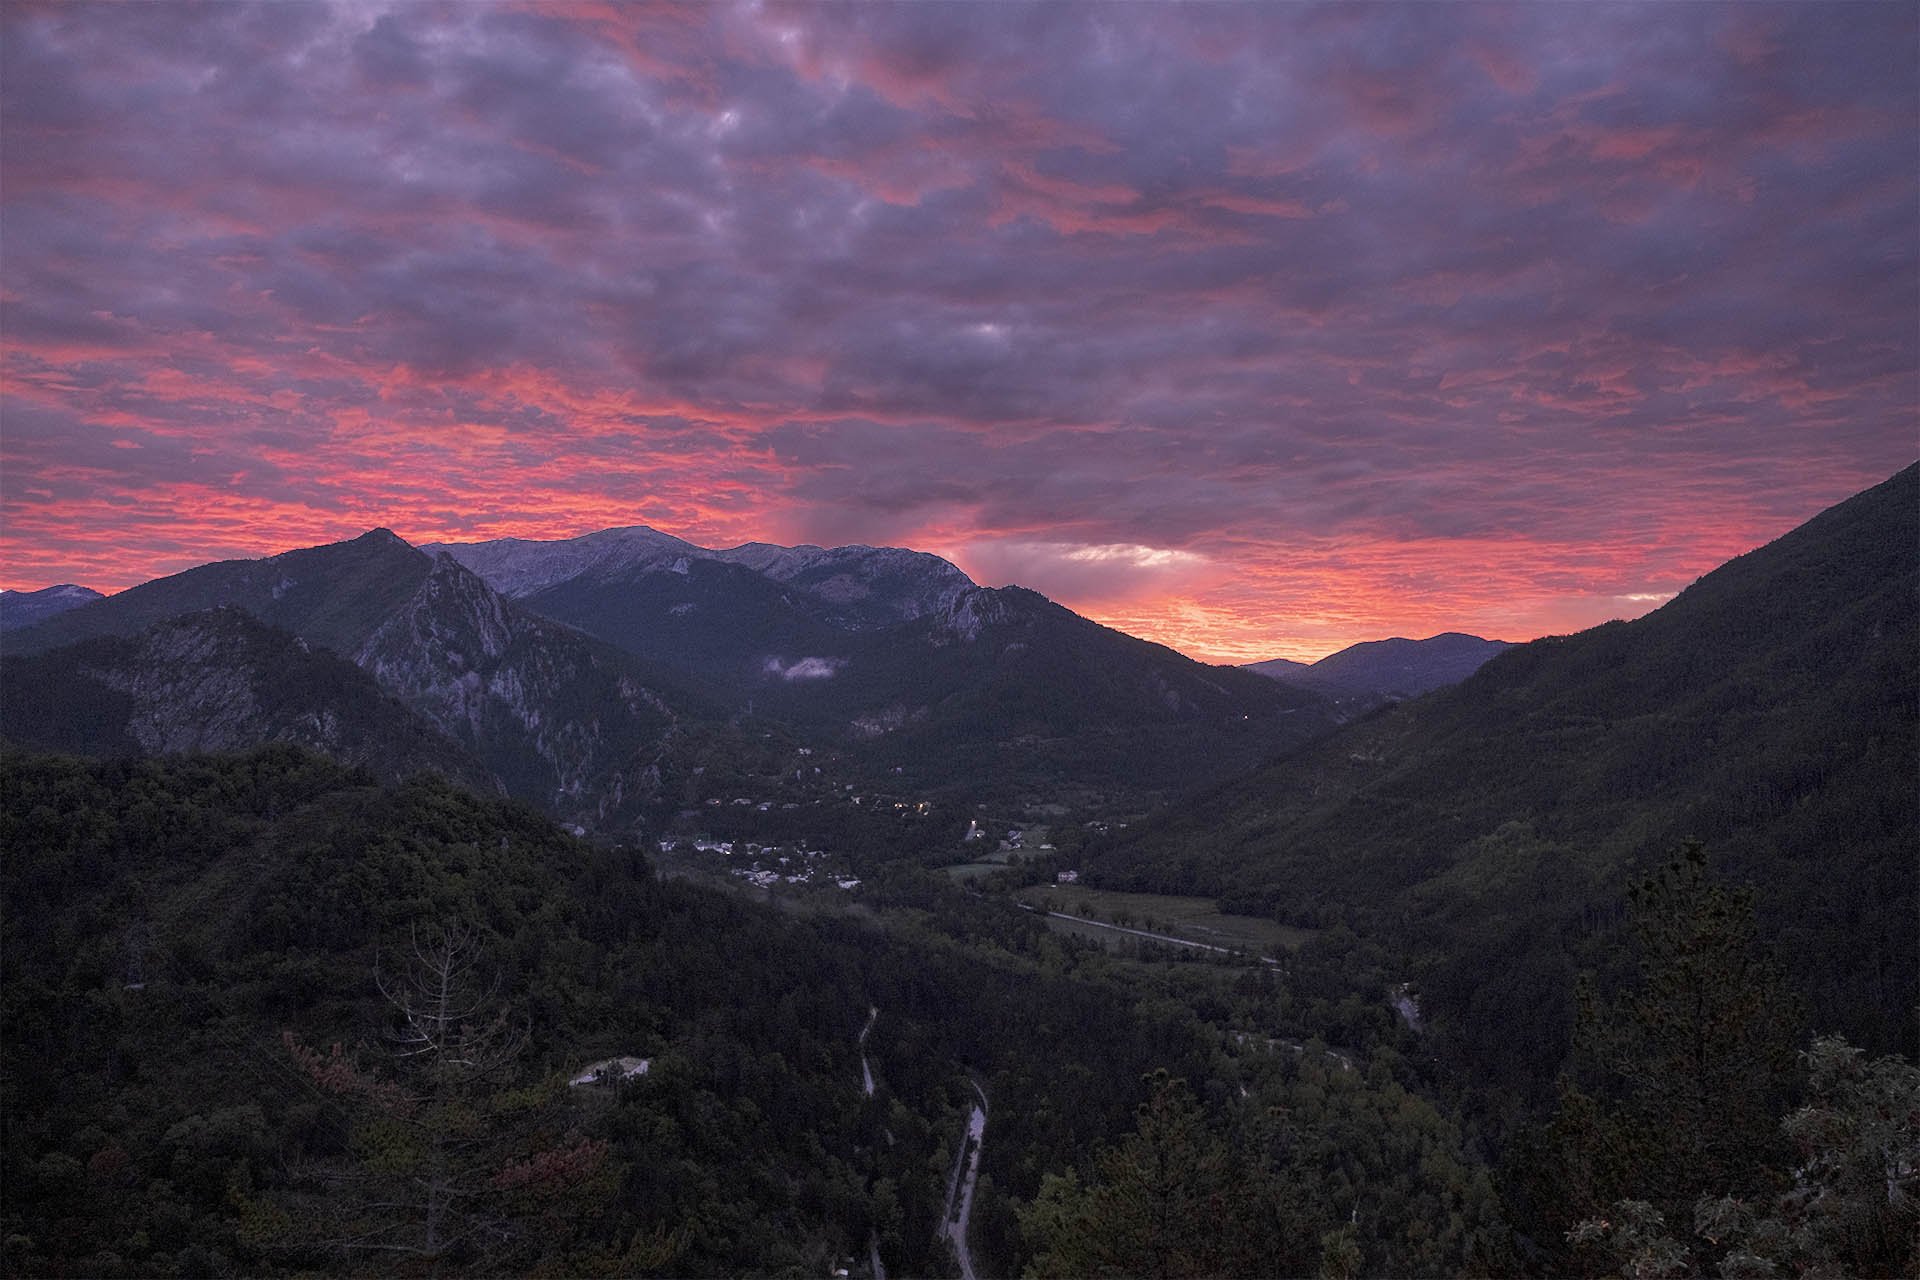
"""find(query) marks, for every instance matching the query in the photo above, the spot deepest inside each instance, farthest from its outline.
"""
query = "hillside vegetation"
(1491, 827)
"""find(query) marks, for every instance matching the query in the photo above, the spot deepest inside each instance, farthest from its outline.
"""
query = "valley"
(1256, 978)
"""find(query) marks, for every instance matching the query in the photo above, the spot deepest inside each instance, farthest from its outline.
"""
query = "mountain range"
(900, 654)
(221, 681)
(1457, 865)
(598, 677)
(557, 719)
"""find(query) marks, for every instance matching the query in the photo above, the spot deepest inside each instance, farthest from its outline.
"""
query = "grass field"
(1195, 919)
(973, 870)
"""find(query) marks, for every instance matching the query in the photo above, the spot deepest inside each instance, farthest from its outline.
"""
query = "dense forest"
(266, 1014)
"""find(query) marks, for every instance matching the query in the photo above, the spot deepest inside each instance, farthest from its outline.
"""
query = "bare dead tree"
(458, 1031)
(450, 1166)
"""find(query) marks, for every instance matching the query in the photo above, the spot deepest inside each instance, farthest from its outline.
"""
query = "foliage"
(173, 923)
(1169, 1200)
(1675, 1082)
(1485, 830)
(1850, 1207)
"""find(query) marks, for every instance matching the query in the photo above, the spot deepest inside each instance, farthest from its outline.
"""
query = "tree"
(450, 1159)
(1677, 1081)
(1169, 1200)
(1850, 1208)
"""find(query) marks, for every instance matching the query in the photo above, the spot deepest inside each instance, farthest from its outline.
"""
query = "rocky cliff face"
(219, 680)
(556, 718)
(563, 721)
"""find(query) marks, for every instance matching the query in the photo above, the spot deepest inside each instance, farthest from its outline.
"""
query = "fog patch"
(804, 668)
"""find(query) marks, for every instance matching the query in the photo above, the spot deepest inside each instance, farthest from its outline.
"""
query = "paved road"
(1142, 933)
(966, 1171)
(866, 1072)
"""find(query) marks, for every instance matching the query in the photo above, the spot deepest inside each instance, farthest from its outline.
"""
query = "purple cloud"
(1612, 291)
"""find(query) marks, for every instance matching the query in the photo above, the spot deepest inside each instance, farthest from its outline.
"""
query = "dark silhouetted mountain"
(1395, 668)
(1278, 668)
(24, 608)
(1769, 709)
(563, 721)
(219, 680)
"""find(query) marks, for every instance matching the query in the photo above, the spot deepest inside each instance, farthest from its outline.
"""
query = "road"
(966, 1171)
(866, 1072)
(866, 1085)
(1142, 933)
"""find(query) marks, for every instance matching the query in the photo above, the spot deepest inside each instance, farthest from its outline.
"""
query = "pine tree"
(1169, 1200)
(1685, 1075)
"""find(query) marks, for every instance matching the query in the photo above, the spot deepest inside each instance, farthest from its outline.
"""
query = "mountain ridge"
(1393, 668)
(24, 608)
(1769, 709)
(838, 584)
(219, 681)
(562, 720)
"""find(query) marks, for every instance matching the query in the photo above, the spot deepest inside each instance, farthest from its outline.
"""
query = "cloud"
(1093, 575)
(1592, 295)
(804, 668)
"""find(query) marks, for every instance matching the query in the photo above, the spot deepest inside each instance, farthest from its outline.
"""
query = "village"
(768, 865)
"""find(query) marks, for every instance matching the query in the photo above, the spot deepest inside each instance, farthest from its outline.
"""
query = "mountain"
(1278, 668)
(1396, 668)
(1004, 684)
(334, 595)
(852, 588)
(897, 655)
(1769, 709)
(219, 681)
(24, 608)
(563, 721)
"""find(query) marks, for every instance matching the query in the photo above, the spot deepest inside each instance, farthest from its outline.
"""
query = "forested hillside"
(1490, 828)
(221, 1058)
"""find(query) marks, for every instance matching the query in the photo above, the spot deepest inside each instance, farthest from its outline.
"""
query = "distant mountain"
(853, 588)
(24, 608)
(562, 721)
(1278, 668)
(1395, 668)
(219, 680)
(1769, 709)
(898, 654)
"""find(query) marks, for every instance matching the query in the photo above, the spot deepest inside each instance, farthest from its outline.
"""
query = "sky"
(1257, 329)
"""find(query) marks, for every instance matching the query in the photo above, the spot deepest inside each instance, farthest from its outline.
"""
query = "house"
(613, 1071)
(1067, 877)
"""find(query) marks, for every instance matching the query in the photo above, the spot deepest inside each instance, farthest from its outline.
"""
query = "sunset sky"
(1255, 329)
